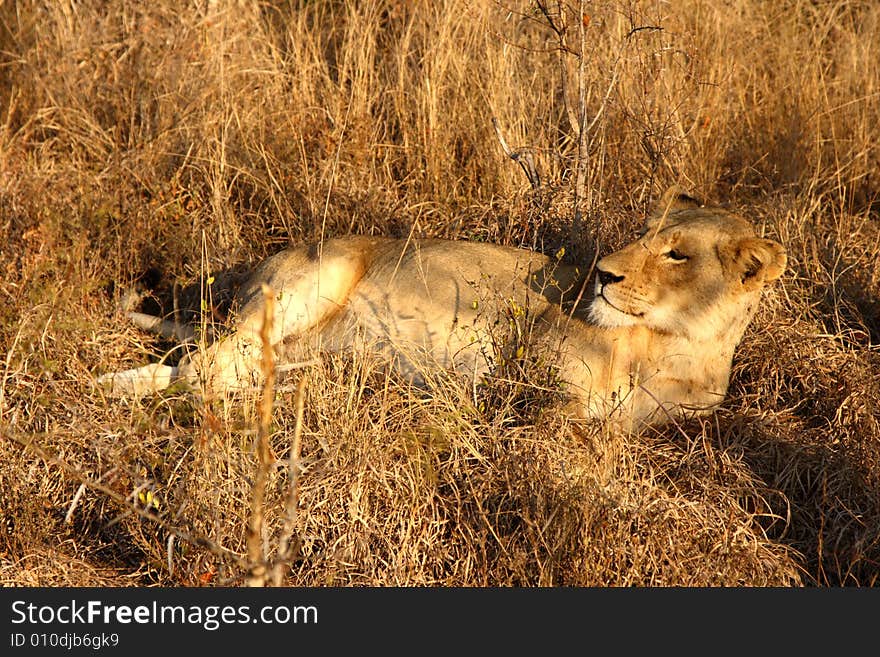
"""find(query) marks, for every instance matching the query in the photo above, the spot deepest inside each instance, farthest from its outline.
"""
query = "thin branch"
(287, 548)
(583, 146)
(564, 49)
(523, 157)
(560, 31)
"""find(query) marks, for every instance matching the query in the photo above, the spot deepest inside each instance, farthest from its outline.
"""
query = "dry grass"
(165, 143)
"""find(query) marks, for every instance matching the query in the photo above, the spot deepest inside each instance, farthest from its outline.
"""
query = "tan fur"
(656, 340)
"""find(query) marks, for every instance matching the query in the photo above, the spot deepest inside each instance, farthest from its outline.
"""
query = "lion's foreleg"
(139, 381)
(162, 327)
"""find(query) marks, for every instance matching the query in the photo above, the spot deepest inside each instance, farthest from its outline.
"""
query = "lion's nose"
(606, 277)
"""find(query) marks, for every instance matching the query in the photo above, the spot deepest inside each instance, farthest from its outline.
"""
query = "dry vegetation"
(164, 144)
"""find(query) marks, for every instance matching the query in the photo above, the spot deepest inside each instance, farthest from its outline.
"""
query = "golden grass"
(166, 144)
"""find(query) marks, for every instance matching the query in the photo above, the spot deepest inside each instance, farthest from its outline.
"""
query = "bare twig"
(560, 30)
(583, 149)
(523, 157)
(286, 547)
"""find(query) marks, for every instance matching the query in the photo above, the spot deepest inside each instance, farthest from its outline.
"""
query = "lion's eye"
(676, 256)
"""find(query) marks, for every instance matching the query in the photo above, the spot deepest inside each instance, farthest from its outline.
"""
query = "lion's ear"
(757, 261)
(675, 198)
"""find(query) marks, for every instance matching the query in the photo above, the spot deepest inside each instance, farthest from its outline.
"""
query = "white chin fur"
(604, 314)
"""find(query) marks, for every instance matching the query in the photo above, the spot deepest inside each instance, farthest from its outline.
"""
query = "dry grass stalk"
(258, 572)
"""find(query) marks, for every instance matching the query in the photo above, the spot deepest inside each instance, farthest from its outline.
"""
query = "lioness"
(655, 338)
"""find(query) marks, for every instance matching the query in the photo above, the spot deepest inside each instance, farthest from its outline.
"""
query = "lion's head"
(696, 272)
